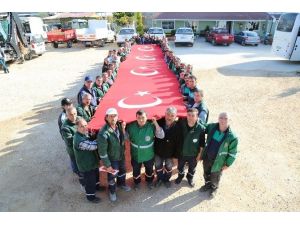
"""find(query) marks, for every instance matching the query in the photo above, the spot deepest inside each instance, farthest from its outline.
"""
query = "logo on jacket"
(147, 138)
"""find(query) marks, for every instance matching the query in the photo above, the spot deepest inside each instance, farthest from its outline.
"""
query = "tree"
(139, 23)
(123, 18)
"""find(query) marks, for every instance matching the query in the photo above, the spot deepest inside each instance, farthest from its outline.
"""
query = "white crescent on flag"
(122, 103)
(154, 72)
(145, 58)
(148, 49)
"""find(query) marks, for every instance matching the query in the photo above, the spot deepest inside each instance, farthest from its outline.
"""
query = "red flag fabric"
(144, 81)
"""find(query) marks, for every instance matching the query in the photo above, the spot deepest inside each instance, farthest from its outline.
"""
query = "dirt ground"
(265, 114)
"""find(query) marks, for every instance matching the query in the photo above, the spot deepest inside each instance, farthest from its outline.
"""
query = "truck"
(66, 32)
(34, 25)
(97, 33)
(12, 37)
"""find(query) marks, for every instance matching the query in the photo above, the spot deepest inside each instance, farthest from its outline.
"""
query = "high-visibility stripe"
(159, 170)
(142, 146)
(137, 177)
(104, 156)
(89, 194)
(232, 155)
(182, 173)
(168, 171)
(122, 175)
(191, 174)
(150, 175)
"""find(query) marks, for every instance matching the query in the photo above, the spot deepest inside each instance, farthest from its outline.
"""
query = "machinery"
(12, 37)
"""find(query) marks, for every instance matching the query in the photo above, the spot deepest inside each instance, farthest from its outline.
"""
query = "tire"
(213, 42)
(28, 56)
(102, 43)
(55, 44)
(243, 43)
(176, 44)
(256, 44)
(192, 44)
(40, 54)
(69, 44)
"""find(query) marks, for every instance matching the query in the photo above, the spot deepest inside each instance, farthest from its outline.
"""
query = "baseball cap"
(88, 78)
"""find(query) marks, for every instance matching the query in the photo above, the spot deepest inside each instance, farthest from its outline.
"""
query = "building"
(234, 22)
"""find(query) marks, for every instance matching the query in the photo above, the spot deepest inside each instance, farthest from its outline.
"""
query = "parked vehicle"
(247, 38)
(184, 35)
(97, 33)
(12, 37)
(156, 32)
(36, 45)
(34, 25)
(63, 35)
(286, 41)
(219, 36)
(126, 33)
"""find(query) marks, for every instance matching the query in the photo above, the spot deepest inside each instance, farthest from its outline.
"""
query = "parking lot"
(260, 91)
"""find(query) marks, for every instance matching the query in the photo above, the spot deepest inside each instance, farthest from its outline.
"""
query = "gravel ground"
(260, 92)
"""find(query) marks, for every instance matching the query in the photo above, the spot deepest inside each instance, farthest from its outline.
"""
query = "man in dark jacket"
(165, 148)
(193, 135)
(87, 88)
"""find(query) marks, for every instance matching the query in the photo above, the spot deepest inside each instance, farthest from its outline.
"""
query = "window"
(286, 22)
(155, 31)
(184, 31)
(168, 25)
(127, 31)
(253, 26)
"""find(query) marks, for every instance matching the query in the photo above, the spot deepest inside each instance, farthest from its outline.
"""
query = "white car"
(125, 33)
(36, 45)
(156, 32)
(184, 35)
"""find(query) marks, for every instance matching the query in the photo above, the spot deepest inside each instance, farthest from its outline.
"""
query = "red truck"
(219, 37)
(61, 36)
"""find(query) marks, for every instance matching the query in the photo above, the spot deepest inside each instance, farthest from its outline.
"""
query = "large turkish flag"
(143, 82)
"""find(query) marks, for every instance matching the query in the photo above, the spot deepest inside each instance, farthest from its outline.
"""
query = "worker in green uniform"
(219, 153)
(85, 109)
(87, 160)
(99, 88)
(193, 140)
(141, 134)
(111, 148)
(68, 130)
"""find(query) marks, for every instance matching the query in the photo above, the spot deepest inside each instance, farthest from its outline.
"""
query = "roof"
(214, 15)
(75, 15)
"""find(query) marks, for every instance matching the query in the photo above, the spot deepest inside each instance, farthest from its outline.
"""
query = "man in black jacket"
(165, 148)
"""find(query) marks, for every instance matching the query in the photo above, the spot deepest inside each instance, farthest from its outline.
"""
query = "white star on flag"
(142, 93)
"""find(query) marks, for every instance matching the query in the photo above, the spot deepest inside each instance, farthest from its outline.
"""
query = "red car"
(219, 37)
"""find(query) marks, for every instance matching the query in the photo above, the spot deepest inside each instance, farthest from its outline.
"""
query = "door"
(295, 56)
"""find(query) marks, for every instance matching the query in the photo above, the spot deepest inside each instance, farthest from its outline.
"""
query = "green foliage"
(123, 18)
(139, 23)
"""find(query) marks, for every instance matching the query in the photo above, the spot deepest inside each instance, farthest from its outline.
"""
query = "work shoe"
(150, 186)
(167, 184)
(112, 196)
(158, 183)
(95, 200)
(212, 193)
(100, 188)
(179, 179)
(204, 188)
(191, 182)
(136, 186)
(125, 188)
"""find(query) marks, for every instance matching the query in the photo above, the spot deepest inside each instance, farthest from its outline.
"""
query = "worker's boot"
(179, 178)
